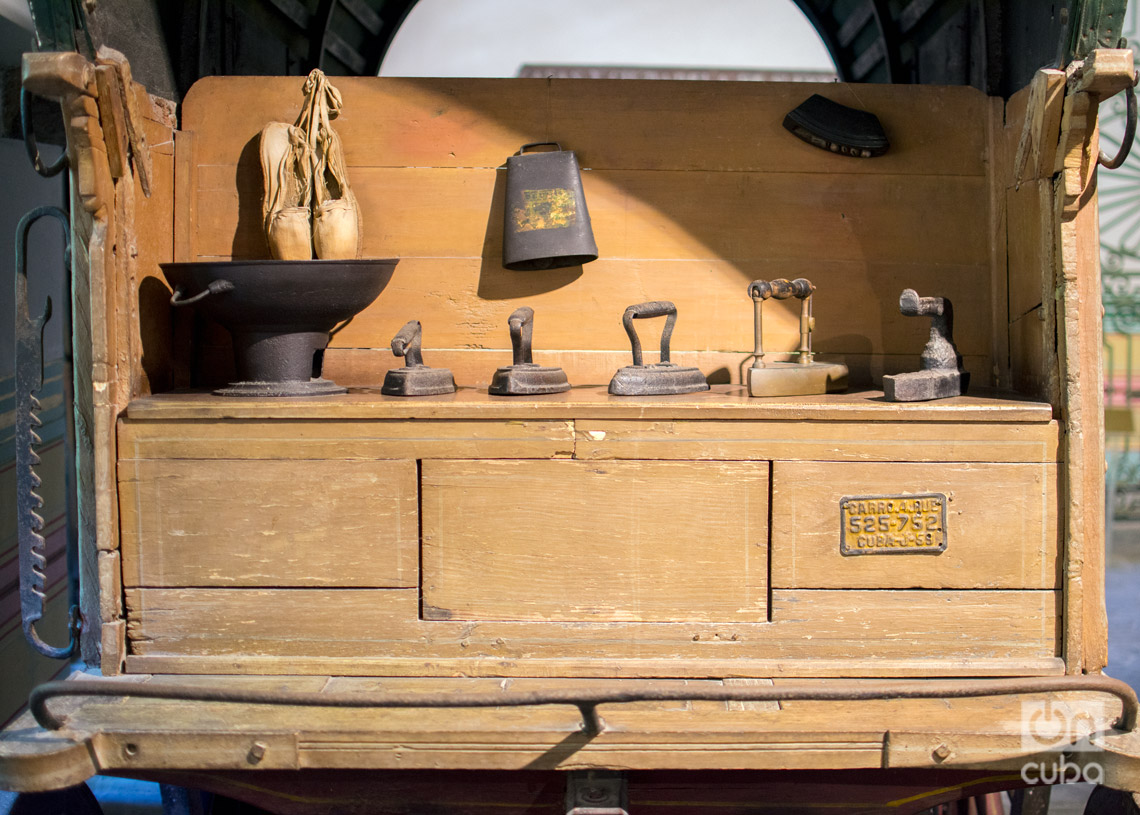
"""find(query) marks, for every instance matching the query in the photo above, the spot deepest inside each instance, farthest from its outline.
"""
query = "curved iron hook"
(57, 166)
(1129, 130)
(29, 380)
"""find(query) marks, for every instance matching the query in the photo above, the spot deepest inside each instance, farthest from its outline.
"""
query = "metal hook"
(57, 166)
(1129, 130)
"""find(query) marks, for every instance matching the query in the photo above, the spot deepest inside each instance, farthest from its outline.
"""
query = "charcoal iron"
(661, 378)
(942, 374)
(804, 376)
(837, 128)
(524, 377)
(545, 221)
(279, 313)
(415, 378)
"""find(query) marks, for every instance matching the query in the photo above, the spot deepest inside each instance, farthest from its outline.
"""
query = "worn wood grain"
(1031, 258)
(720, 402)
(356, 439)
(601, 439)
(857, 628)
(621, 541)
(269, 523)
(479, 122)
(1001, 526)
(602, 668)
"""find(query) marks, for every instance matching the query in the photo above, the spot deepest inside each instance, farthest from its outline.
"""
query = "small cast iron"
(279, 313)
(942, 374)
(524, 377)
(804, 376)
(545, 221)
(415, 378)
(660, 378)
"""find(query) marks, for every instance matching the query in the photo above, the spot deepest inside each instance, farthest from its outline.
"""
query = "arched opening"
(497, 38)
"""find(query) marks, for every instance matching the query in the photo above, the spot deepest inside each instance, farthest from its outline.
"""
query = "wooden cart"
(668, 568)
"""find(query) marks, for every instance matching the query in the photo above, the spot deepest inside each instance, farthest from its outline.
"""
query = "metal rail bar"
(587, 701)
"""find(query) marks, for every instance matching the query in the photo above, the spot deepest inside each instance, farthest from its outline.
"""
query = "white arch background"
(494, 37)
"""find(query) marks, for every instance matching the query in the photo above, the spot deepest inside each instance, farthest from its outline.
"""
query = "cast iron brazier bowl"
(279, 312)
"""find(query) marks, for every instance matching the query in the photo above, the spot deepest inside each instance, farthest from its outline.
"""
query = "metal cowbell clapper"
(545, 221)
(29, 381)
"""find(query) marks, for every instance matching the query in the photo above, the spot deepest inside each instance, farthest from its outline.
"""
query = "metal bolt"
(257, 752)
(595, 795)
(941, 753)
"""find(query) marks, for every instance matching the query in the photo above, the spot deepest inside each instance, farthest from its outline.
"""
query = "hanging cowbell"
(546, 223)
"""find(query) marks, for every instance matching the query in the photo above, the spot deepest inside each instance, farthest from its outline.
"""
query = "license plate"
(892, 524)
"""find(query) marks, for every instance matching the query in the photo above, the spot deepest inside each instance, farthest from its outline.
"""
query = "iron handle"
(1129, 130)
(57, 166)
(656, 308)
(29, 380)
(521, 325)
(780, 289)
(911, 305)
(406, 344)
(215, 287)
(526, 147)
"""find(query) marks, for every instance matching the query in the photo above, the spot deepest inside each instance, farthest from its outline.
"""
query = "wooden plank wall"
(694, 189)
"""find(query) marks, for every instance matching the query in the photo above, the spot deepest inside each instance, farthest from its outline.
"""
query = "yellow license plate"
(892, 524)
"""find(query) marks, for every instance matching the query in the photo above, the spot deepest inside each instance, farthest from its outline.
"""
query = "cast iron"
(660, 378)
(415, 378)
(524, 377)
(280, 313)
(942, 374)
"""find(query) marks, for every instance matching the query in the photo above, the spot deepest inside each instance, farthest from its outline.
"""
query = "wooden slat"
(568, 541)
(837, 441)
(593, 667)
(269, 523)
(358, 439)
(852, 627)
(1001, 526)
(637, 214)
(674, 125)
(720, 402)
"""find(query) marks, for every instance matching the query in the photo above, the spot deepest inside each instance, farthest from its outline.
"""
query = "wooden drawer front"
(1001, 526)
(629, 541)
(268, 523)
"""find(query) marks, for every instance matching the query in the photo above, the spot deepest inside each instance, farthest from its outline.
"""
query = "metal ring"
(1129, 130)
(57, 166)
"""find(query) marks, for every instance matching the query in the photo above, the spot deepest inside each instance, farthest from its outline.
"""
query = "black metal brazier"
(280, 313)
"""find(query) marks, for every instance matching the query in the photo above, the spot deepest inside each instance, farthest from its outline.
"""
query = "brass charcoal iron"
(415, 378)
(524, 377)
(942, 374)
(661, 378)
(804, 376)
